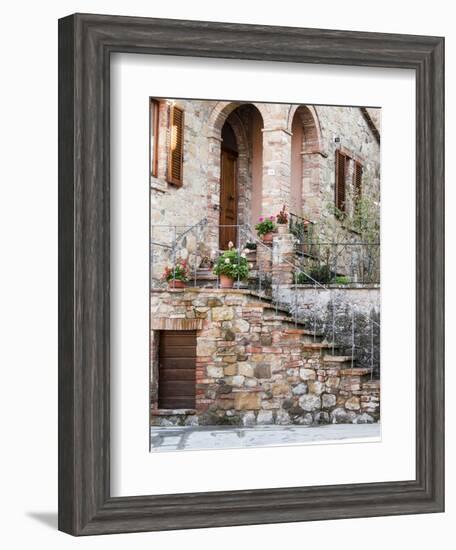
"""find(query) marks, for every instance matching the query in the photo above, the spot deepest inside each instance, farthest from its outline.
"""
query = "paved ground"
(193, 438)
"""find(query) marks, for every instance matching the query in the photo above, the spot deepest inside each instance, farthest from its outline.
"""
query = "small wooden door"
(177, 368)
(228, 199)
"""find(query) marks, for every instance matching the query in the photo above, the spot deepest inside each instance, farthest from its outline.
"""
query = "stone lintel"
(176, 324)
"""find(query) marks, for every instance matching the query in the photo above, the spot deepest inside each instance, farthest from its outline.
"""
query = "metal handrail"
(247, 230)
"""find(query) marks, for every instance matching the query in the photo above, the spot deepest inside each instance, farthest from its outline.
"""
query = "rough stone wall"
(255, 367)
(346, 314)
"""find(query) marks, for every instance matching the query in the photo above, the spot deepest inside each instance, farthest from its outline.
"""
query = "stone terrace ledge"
(330, 286)
(203, 290)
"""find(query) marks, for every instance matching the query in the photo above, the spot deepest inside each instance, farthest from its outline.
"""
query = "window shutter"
(176, 146)
(154, 132)
(340, 181)
(358, 176)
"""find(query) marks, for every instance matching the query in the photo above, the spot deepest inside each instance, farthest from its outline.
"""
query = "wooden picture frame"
(85, 45)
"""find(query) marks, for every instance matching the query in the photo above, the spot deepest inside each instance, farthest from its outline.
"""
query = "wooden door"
(228, 199)
(177, 368)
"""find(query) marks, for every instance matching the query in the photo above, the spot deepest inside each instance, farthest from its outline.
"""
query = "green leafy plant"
(178, 272)
(321, 274)
(341, 280)
(232, 264)
(366, 219)
(265, 225)
(301, 278)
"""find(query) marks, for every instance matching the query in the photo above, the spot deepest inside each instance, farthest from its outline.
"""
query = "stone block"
(214, 372)
(222, 313)
(248, 419)
(265, 417)
(280, 389)
(240, 325)
(364, 418)
(352, 404)
(230, 370)
(262, 370)
(307, 374)
(238, 380)
(300, 389)
(333, 382)
(283, 418)
(214, 302)
(247, 401)
(205, 347)
(316, 387)
(321, 417)
(328, 400)
(224, 389)
(342, 416)
(310, 402)
(304, 420)
(246, 369)
(266, 339)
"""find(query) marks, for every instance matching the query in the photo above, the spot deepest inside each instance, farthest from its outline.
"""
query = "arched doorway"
(241, 172)
(305, 163)
(296, 166)
(228, 187)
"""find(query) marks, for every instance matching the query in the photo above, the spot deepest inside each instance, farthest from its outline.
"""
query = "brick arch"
(242, 142)
(226, 111)
(222, 110)
(312, 142)
(239, 131)
(305, 166)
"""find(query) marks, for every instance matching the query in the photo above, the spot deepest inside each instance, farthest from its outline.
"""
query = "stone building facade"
(265, 352)
(285, 154)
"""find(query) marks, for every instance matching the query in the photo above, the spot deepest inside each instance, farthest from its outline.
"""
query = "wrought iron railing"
(198, 244)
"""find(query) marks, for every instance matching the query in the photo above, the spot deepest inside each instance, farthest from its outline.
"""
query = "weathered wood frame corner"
(85, 45)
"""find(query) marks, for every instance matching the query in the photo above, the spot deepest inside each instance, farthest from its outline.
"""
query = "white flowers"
(227, 260)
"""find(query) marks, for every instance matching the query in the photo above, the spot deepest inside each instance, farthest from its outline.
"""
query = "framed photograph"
(251, 274)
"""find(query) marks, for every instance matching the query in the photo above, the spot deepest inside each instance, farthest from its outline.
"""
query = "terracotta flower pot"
(176, 283)
(282, 228)
(267, 237)
(226, 282)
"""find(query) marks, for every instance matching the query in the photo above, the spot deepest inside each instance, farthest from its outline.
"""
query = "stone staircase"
(257, 365)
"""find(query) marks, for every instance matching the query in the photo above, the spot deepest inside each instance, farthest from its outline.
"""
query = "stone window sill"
(157, 184)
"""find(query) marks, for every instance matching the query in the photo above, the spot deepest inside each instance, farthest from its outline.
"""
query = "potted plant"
(282, 221)
(177, 275)
(230, 266)
(265, 228)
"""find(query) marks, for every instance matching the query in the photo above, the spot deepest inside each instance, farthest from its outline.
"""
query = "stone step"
(268, 302)
(320, 346)
(372, 385)
(283, 319)
(302, 331)
(337, 358)
(356, 371)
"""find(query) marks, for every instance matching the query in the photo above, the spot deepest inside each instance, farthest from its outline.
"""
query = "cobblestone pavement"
(209, 437)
